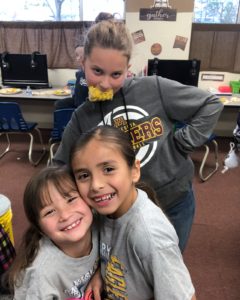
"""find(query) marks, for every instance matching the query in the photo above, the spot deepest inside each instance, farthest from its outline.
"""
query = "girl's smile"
(104, 200)
(71, 226)
(104, 179)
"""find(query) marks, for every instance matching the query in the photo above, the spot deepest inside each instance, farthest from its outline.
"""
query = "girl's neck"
(125, 207)
(81, 248)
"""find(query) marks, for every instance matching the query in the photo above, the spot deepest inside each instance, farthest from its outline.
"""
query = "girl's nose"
(97, 183)
(105, 83)
(63, 214)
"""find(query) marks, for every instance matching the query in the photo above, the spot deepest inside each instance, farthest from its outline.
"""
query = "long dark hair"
(121, 140)
(36, 196)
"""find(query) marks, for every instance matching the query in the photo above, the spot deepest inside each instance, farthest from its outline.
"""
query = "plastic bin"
(235, 85)
(6, 216)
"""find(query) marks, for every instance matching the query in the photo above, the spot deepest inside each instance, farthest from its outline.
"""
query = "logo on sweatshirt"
(144, 130)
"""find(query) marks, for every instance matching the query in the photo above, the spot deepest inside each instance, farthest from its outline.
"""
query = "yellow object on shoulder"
(95, 94)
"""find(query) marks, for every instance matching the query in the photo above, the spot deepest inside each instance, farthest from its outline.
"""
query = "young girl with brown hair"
(140, 257)
(59, 251)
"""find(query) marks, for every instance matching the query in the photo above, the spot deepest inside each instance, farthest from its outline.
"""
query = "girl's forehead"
(63, 187)
(101, 142)
(100, 148)
(100, 55)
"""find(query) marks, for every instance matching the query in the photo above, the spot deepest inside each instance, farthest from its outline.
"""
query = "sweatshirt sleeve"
(197, 109)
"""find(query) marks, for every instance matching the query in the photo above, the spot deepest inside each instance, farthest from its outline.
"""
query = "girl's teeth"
(107, 197)
(72, 225)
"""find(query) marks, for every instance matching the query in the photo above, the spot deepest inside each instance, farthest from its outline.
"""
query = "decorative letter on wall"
(158, 14)
(159, 11)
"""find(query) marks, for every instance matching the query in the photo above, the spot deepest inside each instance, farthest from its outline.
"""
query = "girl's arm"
(95, 286)
(196, 108)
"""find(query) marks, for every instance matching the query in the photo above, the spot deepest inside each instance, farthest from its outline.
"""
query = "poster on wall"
(157, 14)
(180, 42)
(138, 37)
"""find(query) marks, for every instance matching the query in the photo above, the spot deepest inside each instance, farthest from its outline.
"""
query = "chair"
(60, 119)
(211, 140)
(13, 122)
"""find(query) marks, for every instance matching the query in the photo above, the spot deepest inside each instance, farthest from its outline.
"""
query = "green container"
(235, 85)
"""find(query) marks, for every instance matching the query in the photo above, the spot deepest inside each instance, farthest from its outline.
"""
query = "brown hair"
(36, 196)
(111, 34)
(103, 16)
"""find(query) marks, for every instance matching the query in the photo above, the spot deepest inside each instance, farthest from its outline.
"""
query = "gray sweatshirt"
(150, 107)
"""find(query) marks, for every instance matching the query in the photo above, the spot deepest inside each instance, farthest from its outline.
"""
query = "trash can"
(6, 216)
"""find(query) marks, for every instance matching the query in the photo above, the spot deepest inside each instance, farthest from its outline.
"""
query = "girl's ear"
(136, 173)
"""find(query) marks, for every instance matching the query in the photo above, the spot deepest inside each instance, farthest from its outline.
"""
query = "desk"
(231, 101)
(36, 108)
(228, 118)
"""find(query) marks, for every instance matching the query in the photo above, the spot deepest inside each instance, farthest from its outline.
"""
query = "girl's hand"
(95, 287)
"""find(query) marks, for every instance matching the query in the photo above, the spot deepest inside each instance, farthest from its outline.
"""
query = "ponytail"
(150, 192)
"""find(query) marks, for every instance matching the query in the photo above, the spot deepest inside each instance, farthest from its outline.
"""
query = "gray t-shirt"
(140, 258)
(57, 276)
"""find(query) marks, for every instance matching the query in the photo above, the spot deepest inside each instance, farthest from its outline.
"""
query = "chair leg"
(51, 153)
(43, 150)
(204, 178)
(7, 149)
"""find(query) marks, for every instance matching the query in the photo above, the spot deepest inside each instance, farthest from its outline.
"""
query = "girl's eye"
(108, 169)
(82, 177)
(97, 71)
(116, 75)
(71, 199)
(47, 212)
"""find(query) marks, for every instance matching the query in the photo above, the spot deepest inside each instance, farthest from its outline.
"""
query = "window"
(58, 10)
(217, 11)
(215, 38)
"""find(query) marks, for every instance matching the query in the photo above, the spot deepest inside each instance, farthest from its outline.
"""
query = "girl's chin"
(106, 211)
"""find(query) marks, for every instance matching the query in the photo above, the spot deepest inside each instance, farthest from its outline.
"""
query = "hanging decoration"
(156, 49)
(159, 11)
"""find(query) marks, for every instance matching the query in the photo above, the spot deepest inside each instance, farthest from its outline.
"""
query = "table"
(230, 101)
(36, 108)
(228, 118)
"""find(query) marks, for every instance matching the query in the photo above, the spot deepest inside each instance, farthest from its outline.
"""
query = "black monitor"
(183, 71)
(22, 70)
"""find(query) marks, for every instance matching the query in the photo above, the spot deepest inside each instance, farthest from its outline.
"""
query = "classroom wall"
(60, 77)
(164, 33)
(227, 77)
